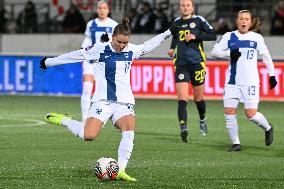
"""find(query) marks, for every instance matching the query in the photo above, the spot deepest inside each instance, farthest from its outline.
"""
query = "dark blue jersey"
(191, 52)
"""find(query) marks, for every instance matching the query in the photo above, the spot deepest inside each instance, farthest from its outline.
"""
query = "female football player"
(99, 29)
(189, 59)
(113, 98)
(242, 78)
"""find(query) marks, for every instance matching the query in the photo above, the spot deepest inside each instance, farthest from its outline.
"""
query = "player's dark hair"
(255, 20)
(122, 28)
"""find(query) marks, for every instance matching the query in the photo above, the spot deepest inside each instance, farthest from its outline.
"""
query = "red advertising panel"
(155, 78)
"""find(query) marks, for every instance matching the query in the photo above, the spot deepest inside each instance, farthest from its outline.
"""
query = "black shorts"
(191, 72)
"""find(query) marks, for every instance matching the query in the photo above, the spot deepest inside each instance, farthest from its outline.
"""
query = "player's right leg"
(182, 93)
(233, 130)
(231, 101)
(182, 87)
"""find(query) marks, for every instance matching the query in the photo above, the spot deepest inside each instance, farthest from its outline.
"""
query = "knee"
(89, 137)
(230, 111)
(250, 114)
(198, 98)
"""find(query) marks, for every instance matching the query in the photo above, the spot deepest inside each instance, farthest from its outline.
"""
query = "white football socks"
(232, 127)
(76, 127)
(86, 99)
(261, 121)
(125, 149)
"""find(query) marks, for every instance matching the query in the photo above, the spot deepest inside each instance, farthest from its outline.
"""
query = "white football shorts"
(249, 95)
(104, 110)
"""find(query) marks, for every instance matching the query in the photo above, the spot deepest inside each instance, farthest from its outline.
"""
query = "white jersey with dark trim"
(245, 71)
(113, 69)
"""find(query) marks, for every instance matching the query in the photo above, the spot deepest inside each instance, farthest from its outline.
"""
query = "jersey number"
(182, 34)
(251, 90)
(250, 54)
(200, 75)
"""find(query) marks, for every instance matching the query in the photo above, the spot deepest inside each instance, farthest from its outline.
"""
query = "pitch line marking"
(33, 124)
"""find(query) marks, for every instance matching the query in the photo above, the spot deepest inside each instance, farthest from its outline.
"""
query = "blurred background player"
(113, 98)
(189, 59)
(99, 29)
(242, 78)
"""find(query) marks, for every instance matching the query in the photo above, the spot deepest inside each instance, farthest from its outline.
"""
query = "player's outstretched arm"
(153, 43)
(71, 57)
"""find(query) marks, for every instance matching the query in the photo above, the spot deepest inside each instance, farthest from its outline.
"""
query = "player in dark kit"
(189, 59)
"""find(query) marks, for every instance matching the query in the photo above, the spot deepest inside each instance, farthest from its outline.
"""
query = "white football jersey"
(244, 71)
(96, 28)
(113, 69)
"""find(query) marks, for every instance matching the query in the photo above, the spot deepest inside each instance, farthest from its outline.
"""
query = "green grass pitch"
(38, 155)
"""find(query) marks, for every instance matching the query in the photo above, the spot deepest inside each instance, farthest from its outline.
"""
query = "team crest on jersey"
(251, 43)
(192, 25)
(108, 30)
(126, 55)
(181, 76)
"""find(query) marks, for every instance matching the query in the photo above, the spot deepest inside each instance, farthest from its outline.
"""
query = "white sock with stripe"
(125, 149)
(232, 127)
(261, 121)
(76, 127)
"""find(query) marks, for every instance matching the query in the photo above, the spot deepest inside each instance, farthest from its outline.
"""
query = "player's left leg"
(251, 100)
(124, 119)
(258, 118)
(197, 77)
(198, 92)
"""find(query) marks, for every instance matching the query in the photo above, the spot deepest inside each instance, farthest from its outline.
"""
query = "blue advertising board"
(22, 75)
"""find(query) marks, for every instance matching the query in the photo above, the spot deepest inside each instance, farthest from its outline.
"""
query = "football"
(106, 168)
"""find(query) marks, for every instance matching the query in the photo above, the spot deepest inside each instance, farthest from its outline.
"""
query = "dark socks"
(201, 107)
(182, 114)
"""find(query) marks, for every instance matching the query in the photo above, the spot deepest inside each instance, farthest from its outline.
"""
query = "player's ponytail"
(122, 28)
(255, 24)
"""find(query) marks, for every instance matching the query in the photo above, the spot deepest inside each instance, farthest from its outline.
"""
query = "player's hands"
(174, 30)
(171, 52)
(104, 37)
(189, 37)
(42, 63)
(272, 82)
(235, 55)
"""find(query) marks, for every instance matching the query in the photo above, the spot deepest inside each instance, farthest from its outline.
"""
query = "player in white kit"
(242, 78)
(97, 30)
(113, 98)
